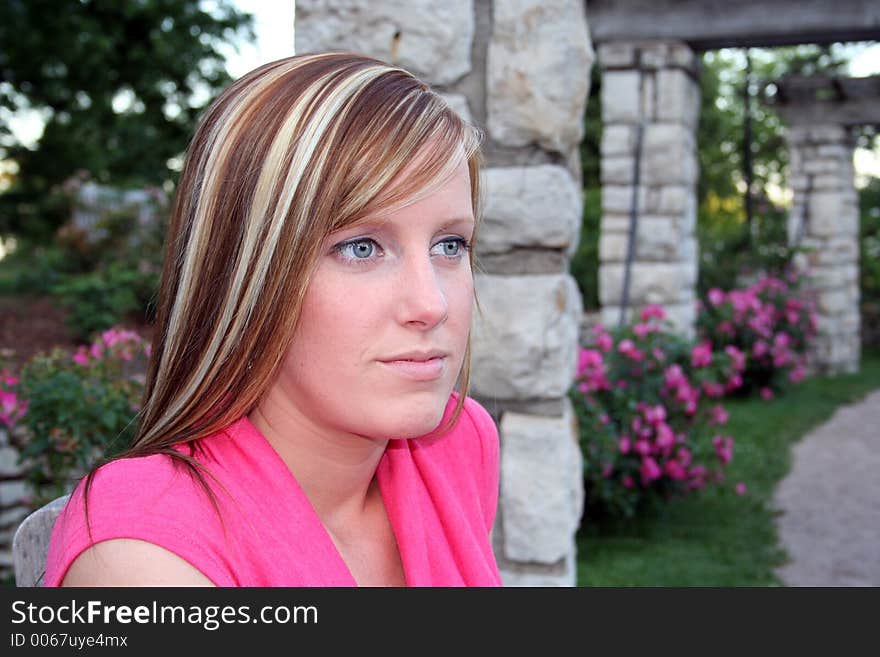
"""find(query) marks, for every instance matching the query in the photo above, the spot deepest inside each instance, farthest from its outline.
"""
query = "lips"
(418, 365)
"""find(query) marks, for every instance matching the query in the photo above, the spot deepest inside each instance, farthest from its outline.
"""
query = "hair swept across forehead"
(286, 155)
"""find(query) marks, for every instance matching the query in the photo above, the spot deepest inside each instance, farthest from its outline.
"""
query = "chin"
(414, 417)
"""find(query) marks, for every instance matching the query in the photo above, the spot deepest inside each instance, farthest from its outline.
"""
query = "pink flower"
(701, 355)
(723, 448)
(797, 374)
(734, 383)
(655, 414)
(96, 350)
(628, 482)
(766, 394)
(737, 356)
(675, 470)
(148, 350)
(628, 348)
(665, 437)
(759, 348)
(81, 357)
(719, 415)
(716, 297)
(624, 444)
(649, 470)
(674, 376)
(726, 327)
(653, 310)
(642, 447)
(604, 419)
(740, 488)
(642, 330)
(684, 456)
(604, 342)
(659, 354)
(713, 390)
(110, 337)
(8, 379)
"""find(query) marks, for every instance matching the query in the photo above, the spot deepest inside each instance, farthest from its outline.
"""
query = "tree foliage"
(120, 85)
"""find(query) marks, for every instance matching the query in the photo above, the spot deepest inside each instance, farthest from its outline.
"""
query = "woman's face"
(385, 319)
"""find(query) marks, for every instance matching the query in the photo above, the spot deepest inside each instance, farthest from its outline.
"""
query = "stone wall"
(650, 99)
(825, 220)
(520, 71)
(13, 508)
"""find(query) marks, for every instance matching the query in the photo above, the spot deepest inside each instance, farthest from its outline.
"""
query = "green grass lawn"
(718, 538)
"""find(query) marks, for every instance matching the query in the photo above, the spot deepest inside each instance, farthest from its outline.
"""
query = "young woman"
(305, 420)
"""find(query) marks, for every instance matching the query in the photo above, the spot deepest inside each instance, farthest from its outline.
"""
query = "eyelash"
(339, 249)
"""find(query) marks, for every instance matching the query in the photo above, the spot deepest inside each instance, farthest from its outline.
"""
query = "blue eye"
(359, 249)
(451, 247)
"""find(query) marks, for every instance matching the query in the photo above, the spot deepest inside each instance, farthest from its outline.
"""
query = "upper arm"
(132, 562)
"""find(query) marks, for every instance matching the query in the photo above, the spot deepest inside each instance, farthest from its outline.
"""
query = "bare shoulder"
(132, 562)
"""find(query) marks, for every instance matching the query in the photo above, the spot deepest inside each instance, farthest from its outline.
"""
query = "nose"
(421, 297)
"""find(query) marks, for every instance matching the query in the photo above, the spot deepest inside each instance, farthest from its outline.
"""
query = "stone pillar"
(825, 220)
(519, 70)
(652, 85)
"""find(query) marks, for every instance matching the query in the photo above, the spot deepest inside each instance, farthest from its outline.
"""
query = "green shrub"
(647, 425)
(66, 411)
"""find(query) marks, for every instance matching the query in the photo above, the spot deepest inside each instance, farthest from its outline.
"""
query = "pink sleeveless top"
(440, 492)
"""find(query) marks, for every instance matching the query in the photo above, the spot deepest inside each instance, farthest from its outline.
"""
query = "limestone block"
(529, 206)
(541, 486)
(678, 98)
(669, 199)
(9, 461)
(613, 247)
(819, 165)
(650, 283)
(618, 199)
(819, 134)
(835, 151)
(827, 277)
(683, 317)
(833, 302)
(13, 491)
(561, 574)
(835, 251)
(522, 261)
(620, 97)
(538, 73)
(657, 240)
(618, 139)
(829, 215)
(669, 155)
(617, 54)
(614, 223)
(431, 39)
(459, 103)
(667, 54)
(524, 343)
(618, 170)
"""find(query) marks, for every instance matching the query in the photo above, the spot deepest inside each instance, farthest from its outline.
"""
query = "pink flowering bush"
(66, 410)
(771, 322)
(651, 425)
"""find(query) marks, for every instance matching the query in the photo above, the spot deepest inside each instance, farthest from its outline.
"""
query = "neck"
(335, 469)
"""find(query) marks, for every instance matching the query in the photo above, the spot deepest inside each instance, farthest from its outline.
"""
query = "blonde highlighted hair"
(289, 153)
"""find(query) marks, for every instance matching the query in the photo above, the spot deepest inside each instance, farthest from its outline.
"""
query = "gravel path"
(830, 502)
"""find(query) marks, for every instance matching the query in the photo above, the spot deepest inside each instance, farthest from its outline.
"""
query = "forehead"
(448, 197)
